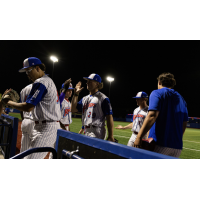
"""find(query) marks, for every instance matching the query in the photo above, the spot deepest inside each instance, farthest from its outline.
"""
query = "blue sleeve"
(82, 127)
(106, 107)
(154, 101)
(79, 106)
(62, 96)
(37, 94)
(186, 119)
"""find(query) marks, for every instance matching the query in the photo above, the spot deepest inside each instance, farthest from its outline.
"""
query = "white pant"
(58, 127)
(133, 138)
(168, 151)
(97, 132)
(44, 135)
(27, 130)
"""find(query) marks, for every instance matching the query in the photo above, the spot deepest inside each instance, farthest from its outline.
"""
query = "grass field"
(191, 138)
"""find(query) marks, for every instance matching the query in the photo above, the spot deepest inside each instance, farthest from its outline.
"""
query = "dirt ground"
(19, 137)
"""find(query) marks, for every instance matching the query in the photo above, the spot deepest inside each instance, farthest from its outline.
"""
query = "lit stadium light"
(110, 79)
(54, 59)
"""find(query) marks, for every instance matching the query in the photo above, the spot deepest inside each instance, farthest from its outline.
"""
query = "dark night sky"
(135, 65)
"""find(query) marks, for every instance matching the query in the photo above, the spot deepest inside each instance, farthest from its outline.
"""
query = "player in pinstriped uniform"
(27, 120)
(95, 107)
(66, 115)
(139, 115)
(43, 101)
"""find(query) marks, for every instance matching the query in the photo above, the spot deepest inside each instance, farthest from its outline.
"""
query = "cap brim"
(86, 78)
(70, 88)
(23, 69)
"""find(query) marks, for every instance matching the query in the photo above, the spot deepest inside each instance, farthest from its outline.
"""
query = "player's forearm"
(148, 123)
(128, 126)
(184, 126)
(110, 126)
(74, 103)
(21, 106)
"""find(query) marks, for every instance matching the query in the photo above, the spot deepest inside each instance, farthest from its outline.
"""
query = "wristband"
(76, 94)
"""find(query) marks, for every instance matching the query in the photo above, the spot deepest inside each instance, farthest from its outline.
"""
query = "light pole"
(110, 79)
(54, 59)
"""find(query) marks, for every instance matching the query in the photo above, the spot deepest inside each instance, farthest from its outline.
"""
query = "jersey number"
(93, 115)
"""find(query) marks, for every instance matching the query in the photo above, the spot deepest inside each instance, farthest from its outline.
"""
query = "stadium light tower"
(54, 59)
(110, 79)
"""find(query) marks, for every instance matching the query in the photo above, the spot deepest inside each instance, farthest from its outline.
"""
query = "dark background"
(135, 65)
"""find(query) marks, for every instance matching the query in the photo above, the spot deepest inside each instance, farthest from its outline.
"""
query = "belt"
(89, 126)
(43, 122)
(66, 124)
(135, 132)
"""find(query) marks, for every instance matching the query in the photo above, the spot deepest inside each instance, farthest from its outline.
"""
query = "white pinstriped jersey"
(66, 115)
(23, 96)
(139, 116)
(44, 97)
(92, 111)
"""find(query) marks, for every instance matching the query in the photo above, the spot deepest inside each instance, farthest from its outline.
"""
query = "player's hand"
(138, 142)
(119, 127)
(111, 139)
(78, 88)
(66, 83)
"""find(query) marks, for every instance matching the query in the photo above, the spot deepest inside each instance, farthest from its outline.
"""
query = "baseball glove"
(12, 95)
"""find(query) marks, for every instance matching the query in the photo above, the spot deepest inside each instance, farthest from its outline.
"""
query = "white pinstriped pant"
(27, 129)
(168, 151)
(43, 135)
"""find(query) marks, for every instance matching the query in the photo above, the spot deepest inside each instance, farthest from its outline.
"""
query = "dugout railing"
(36, 150)
(8, 135)
(6, 132)
(94, 148)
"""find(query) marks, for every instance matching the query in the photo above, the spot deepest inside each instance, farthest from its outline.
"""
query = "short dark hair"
(41, 66)
(167, 79)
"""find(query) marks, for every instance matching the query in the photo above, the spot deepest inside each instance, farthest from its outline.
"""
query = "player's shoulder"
(45, 80)
(101, 96)
(137, 109)
(27, 87)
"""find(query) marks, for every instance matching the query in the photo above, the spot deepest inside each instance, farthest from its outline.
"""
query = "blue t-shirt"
(167, 131)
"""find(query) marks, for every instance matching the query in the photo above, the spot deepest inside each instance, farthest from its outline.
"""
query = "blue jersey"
(167, 131)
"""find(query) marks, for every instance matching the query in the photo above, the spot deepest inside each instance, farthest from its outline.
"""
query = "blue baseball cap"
(141, 95)
(29, 62)
(70, 86)
(94, 77)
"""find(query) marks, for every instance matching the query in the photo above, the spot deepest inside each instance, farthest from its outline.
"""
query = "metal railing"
(36, 150)
(5, 142)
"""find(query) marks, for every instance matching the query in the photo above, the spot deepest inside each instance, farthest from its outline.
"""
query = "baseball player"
(43, 101)
(27, 120)
(167, 118)
(66, 115)
(95, 107)
(139, 115)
